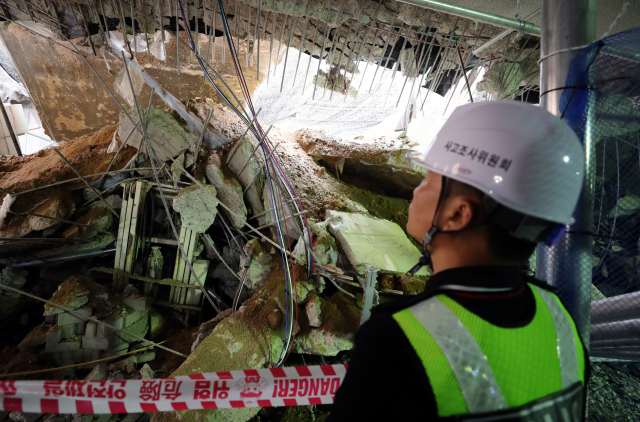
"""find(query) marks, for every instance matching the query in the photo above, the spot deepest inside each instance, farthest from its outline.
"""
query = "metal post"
(567, 265)
(177, 35)
(258, 36)
(368, 294)
(12, 133)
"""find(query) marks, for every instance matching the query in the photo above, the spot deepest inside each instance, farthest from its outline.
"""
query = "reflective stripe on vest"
(566, 339)
(478, 385)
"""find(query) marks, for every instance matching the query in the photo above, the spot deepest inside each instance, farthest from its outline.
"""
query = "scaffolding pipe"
(502, 35)
(480, 16)
(618, 308)
(567, 265)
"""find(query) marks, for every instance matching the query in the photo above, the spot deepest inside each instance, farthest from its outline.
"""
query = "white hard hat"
(520, 155)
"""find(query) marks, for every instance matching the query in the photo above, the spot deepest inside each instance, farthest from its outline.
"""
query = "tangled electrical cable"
(281, 190)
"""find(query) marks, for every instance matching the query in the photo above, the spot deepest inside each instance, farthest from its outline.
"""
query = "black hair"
(502, 245)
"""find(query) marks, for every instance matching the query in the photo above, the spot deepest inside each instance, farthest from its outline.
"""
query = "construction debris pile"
(92, 221)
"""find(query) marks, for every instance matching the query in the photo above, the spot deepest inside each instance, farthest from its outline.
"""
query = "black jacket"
(386, 380)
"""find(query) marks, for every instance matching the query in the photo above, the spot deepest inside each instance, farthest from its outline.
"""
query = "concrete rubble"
(224, 229)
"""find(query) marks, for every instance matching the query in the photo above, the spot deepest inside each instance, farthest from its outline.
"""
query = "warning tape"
(291, 386)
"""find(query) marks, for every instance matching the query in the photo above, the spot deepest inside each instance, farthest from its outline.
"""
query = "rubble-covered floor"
(116, 259)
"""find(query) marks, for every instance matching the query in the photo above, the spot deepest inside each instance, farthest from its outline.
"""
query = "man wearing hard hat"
(483, 342)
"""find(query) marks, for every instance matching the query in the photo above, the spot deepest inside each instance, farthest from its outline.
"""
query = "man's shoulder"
(433, 289)
(399, 304)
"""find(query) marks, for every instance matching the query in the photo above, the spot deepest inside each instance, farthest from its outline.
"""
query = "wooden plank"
(142, 188)
(193, 242)
(176, 269)
(123, 236)
(194, 296)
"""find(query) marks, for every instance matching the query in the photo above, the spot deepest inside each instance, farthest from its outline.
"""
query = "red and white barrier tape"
(291, 386)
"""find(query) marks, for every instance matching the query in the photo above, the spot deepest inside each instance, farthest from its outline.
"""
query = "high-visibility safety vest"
(475, 367)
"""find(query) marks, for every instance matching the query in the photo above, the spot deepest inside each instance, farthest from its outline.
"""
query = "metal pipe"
(615, 330)
(313, 42)
(254, 151)
(197, 22)
(346, 42)
(92, 253)
(302, 39)
(384, 50)
(237, 19)
(258, 36)
(177, 36)
(329, 59)
(122, 25)
(502, 34)
(12, 133)
(260, 169)
(394, 69)
(284, 26)
(616, 308)
(211, 31)
(286, 56)
(133, 26)
(324, 41)
(480, 16)
(355, 67)
(273, 30)
(233, 152)
(419, 61)
(568, 264)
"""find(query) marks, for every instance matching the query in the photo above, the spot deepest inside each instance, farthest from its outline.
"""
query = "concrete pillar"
(565, 24)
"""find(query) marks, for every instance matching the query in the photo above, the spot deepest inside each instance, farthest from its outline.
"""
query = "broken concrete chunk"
(237, 163)
(72, 293)
(98, 373)
(37, 337)
(12, 277)
(146, 372)
(323, 342)
(197, 207)
(313, 310)
(324, 245)
(259, 267)
(64, 346)
(97, 220)
(381, 243)
(228, 189)
(114, 200)
(275, 318)
(68, 319)
(55, 207)
(380, 165)
(156, 324)
(176, 167)
(167, 137)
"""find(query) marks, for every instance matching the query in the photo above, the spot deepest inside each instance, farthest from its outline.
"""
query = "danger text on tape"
(291, 386)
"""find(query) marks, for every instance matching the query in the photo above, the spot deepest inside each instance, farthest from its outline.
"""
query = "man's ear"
(460, 212)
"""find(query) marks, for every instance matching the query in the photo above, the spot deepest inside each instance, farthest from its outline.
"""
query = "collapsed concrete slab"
(369, 241)
(166, 136)
(319, 191)
(379, 164)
